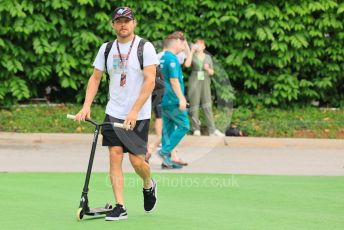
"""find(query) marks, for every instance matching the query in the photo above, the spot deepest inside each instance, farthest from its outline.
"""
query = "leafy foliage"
(273, 52)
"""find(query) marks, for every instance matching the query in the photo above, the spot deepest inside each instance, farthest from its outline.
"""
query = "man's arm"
(149, 73)
(190, 54)
(188, 60)
(178, 91)
(91, 91)
(187, 49)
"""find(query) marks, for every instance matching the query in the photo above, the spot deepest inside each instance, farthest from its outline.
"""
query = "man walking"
(129, 102)
(174, 115)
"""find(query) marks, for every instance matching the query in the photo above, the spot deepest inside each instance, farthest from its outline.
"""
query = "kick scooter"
(84, 209)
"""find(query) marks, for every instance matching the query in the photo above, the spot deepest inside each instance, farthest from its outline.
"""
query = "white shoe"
(217, 133)
(197, 133)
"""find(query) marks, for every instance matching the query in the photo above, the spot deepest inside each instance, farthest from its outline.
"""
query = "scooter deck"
(98, 211)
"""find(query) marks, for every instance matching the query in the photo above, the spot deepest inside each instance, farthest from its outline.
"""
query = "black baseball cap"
(122, 12)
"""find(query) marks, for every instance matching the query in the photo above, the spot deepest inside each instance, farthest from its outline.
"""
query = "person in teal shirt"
(174, 115)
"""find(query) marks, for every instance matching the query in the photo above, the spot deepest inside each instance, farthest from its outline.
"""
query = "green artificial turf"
(186, 201)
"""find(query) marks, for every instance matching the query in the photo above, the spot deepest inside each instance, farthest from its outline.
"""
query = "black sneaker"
(118, 213)
(150, 197)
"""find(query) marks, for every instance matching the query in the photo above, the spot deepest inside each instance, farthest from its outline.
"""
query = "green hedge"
(274, 53)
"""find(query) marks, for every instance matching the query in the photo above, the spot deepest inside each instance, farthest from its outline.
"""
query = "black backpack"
(159, 78)
(232, 130)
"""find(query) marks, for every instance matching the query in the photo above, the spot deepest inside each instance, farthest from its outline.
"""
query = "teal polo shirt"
(171, 69)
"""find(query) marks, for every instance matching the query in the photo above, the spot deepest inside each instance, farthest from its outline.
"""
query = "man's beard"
(127, 34)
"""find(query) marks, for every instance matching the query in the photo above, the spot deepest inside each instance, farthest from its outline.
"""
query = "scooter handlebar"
(114, 124)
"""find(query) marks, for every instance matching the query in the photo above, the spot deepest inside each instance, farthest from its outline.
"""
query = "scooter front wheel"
(80, 214)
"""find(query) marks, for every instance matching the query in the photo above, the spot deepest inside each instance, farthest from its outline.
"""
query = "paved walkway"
(238, 155)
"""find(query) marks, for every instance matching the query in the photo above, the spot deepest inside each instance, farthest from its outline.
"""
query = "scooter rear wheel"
(108, 206)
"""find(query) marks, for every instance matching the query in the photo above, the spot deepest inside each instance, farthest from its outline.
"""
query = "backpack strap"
(140, 51)
(106, 54)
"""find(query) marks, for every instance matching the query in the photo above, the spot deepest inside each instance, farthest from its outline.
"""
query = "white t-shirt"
(122, 98)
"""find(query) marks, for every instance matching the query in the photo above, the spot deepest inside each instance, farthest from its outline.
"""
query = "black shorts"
(132, 141)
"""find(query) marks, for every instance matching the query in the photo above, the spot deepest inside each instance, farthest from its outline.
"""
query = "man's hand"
(182, 104)
(193, 49)
(130, 120)
(84, 113)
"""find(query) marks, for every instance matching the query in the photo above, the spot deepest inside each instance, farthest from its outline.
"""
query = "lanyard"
(200, 63)
(120, 55)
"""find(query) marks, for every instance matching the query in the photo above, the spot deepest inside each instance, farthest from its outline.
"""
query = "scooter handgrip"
(70, 116)
(118, 125)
